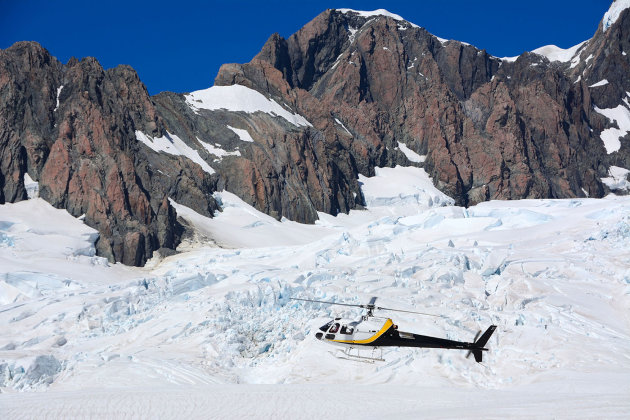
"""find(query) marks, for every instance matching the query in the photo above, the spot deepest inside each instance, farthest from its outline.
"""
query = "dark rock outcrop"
(491, 129)
(72, 128)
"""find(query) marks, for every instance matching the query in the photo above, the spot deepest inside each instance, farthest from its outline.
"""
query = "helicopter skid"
(348, 355)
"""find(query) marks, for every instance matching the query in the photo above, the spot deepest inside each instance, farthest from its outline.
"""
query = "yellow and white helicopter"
(376, 332)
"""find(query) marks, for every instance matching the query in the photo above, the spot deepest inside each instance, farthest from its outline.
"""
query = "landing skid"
(347, 354)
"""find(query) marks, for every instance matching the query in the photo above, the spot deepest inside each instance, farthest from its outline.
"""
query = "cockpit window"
(347, 330)
(326, 326)
(334, 328)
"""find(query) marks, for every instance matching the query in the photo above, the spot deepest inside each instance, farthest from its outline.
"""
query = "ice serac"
(80, 144)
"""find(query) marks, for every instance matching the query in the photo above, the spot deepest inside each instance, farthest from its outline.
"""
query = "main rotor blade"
(410, 312)
(330, 303)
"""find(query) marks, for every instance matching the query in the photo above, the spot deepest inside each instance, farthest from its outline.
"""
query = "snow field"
(552, 274)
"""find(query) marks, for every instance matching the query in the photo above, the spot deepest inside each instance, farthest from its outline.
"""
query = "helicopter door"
(346, 330)
(332, 331)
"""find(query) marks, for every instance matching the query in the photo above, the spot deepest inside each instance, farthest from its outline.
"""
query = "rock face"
(72, 128)
(490, 128)
(347, 93)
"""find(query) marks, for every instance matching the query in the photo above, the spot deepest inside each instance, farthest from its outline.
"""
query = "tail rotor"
(474, 341)
(479, 343)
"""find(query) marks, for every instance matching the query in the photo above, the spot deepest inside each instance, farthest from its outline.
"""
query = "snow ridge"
(611, 16)
(554, 53)
(378, 12)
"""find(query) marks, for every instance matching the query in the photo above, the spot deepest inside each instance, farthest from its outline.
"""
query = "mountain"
(290, 131)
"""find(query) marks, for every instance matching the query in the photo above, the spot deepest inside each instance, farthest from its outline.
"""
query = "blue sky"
(179, 45)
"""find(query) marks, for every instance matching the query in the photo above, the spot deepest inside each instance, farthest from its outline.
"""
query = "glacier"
(212, 332)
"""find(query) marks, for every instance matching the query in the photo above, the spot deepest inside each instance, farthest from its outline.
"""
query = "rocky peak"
(349, 92)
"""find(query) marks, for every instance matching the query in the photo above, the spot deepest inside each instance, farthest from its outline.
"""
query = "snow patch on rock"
(239, 98)
(612, 136)
(242, 134)
(410, 154)
(617, 179)
(217, 151)
(31, 186)
(173, 145)
(600, 83)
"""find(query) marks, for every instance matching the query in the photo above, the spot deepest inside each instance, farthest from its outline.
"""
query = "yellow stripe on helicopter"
(386, 327)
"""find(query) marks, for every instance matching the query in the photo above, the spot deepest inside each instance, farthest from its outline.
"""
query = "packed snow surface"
(240, 98)
(211, 332)
(173, 145)
(611, 16)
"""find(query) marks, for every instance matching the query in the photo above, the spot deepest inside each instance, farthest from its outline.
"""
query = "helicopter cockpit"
(336, 326)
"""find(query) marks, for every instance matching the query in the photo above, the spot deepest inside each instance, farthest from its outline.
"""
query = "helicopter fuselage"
(373, 331)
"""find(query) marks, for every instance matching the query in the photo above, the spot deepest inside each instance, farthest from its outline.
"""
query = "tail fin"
(479, 344)
(486, 336)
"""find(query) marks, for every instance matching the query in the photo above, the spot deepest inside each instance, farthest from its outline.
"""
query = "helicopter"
(377, 332)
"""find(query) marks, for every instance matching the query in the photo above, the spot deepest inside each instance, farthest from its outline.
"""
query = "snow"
(617, 179)
(210, 332)
(612, 136)
(32, 187)
(240, 98)
(58, 93)
(242, 134)
(342, 126)
(353, 32)
(410, 154)
(173, 145)
(613, 13)
(554, 53)
(217, 151)
(600, 83)
(373, 13)
(509, 59)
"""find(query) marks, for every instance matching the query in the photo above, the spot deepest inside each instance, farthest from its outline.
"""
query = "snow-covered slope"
(173, 339)
(611, 16)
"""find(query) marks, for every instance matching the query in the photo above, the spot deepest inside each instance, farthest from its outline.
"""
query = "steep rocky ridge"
(491, 128)
(362, 88)
(72, 128)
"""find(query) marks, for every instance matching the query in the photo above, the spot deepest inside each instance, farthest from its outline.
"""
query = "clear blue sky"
(179, 45)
